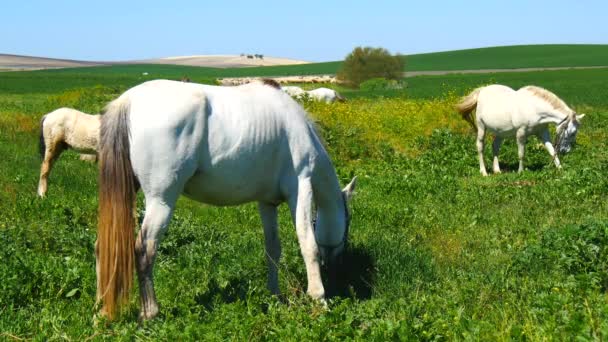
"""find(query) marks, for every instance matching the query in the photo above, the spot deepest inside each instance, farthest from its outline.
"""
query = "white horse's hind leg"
(50, 156)
(546, 139)
(301, 209)
(521, 148)
(481, 133)
(268, 213)
(495, 149)
(158, 214)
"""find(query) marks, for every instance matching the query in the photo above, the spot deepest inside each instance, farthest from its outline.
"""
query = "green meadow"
(438, 252)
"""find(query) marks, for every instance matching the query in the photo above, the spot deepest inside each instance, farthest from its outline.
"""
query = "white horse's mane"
(550, 98)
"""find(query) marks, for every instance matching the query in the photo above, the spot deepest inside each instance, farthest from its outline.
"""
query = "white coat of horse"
(66, 128)
(527, 111)
(217, 145)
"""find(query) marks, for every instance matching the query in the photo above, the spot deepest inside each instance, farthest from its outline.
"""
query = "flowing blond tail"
(466, 106)
(116, 223)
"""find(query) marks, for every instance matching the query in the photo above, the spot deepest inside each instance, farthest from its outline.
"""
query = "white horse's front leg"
(521, 148)
(481, 134)
(546, 139)
(268, 213)
(302, 206)
(495, 149)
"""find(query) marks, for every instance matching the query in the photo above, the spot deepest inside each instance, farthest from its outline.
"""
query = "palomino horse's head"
(333, 254)
(566, 133)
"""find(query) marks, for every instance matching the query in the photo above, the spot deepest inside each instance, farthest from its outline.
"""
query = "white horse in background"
(529, 110)
(217, 145)
(320, 94)
(66, 128)
(325, 95)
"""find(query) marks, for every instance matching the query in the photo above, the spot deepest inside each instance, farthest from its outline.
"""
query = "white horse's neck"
(556, 112)
(550, 114)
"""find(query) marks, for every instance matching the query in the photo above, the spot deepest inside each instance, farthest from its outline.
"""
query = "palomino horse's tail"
(467, 105)
(116, 223)
(41, 142)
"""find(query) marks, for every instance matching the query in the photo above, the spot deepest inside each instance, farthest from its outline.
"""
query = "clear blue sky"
(311, 30)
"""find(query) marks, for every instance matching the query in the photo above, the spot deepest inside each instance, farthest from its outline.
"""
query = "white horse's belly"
(226, 183)
(211, 188)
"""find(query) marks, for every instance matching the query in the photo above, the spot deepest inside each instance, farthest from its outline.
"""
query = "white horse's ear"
(349, 190)
(579, 117)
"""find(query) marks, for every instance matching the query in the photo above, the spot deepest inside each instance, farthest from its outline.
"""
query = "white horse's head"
(566, 133)
(332, 254)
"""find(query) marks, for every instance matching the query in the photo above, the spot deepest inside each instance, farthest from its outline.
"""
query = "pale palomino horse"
(527, 111)
(61, 129)
(217, 145)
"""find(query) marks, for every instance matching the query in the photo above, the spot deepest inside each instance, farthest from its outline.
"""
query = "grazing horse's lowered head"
(333, 254)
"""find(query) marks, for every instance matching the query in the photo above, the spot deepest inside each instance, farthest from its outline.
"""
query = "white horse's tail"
(41, 141)
(467, 105)
(117, 194)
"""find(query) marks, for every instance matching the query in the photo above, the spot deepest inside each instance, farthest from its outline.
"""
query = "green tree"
(365, 63)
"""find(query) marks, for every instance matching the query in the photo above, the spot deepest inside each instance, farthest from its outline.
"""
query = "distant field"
(507, 57)
(511, 57)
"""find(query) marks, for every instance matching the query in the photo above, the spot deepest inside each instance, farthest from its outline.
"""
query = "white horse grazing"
(325, 95)
(66, 128)
(506, 112)
(217, 145)
(320, 94)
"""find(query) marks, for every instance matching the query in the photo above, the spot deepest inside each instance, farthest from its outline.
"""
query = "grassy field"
(438, 252)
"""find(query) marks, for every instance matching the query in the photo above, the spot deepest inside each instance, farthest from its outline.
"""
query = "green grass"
(438, 251)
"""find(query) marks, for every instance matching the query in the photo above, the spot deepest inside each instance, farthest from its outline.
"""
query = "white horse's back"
(249, 132)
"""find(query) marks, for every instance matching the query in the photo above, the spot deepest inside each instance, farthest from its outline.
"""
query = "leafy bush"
(365, 63)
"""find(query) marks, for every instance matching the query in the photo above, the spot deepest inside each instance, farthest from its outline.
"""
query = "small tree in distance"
(365, 63)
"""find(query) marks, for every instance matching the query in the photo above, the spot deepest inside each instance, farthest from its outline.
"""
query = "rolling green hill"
(511, 57)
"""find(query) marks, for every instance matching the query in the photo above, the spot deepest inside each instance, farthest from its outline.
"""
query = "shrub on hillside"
(365, 63)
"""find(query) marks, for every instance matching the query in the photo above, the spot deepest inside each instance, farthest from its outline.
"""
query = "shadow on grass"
(354, 278)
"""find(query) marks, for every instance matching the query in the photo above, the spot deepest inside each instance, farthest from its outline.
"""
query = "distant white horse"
(325, 95)
(506, 112)
(217, 145)
(320, 94)
(66, 128)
